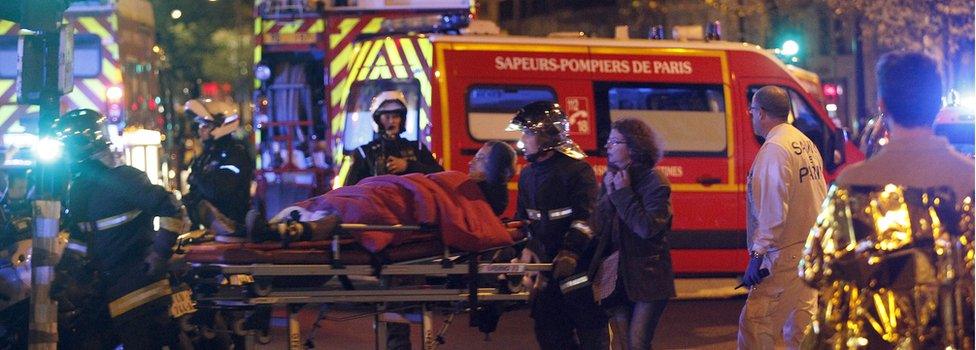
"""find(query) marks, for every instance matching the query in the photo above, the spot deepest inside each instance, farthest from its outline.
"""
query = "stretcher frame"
(424, 296)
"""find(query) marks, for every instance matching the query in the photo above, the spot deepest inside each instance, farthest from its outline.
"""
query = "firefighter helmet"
(83, 133)
(221, 116)
(547, 119)
(392, 101)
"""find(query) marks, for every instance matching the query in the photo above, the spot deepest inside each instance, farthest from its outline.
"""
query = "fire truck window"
(807, 121)
(490, 108)
(8, 55)
(801, 116)
(359, 128)
(88, 56)
(689, 118)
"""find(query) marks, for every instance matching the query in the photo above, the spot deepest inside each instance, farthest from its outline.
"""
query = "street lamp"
(176, 14)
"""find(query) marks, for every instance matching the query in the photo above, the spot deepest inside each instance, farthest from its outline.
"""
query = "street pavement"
(686, 324)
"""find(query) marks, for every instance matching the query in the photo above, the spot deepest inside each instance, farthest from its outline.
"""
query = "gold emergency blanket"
(894, 268)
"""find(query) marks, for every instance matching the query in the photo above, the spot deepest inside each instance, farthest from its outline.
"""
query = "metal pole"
(47, 216)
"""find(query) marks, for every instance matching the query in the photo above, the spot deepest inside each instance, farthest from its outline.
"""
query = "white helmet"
(219, 114)
(380, 104)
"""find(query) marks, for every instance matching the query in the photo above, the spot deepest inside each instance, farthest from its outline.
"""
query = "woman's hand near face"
(621, 179)
(608, 181)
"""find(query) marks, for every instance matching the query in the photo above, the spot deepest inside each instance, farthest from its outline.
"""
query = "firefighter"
(123, 269)
(16, 226)
(220, 177)
(389, 153)
(16, 210)
(556, 195)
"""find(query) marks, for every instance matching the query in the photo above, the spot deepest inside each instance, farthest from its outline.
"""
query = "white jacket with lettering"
(785, 190)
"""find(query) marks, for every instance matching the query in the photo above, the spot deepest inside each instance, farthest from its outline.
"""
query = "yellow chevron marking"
(291, 27)
(83, 101)
(370, 58)
(423, 121)
(6, 112)
(374, 25)
(92, 26)
(400, 72)
(382, 72)
(427, 49)
(391, 51)
(360, 51)
(113, 73)
(340, 61)
(6, 85)
(257, 58)
(317, 27)
(410, 52)
(344, 28)
(415, 66)
(267, 25)
(6, 26)
(113, 21)
(395, 60)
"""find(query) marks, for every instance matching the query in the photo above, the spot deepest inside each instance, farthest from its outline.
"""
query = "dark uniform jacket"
(15, 221)
(637, 220)
(552, 195)
(222, 175)
(370, 159)
(98, 193)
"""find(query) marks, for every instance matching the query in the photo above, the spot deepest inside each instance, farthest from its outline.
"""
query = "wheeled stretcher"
(246, 280)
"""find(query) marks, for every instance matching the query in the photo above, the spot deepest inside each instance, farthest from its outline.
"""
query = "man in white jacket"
(785, 190)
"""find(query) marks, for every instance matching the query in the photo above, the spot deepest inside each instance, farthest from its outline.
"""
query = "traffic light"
(790, 48)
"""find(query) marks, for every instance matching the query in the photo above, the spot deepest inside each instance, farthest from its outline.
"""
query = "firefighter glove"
(577, 237)
(564, 264)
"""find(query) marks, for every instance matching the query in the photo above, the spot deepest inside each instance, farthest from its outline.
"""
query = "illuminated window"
(88, 56)
(690, 119)
(491, 108)
(8, 55)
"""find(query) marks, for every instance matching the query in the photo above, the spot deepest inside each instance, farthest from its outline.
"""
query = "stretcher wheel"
(261, 287)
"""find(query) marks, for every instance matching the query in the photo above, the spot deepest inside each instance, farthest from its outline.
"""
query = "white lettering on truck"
(578, 65)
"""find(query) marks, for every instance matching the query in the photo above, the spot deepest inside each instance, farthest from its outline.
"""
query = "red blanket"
(447, 199)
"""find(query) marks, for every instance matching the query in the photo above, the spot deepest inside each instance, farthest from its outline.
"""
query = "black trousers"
(148, 326)
(572, 321)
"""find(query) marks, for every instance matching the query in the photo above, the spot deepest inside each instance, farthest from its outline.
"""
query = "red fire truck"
(319, 70)
(463, 89)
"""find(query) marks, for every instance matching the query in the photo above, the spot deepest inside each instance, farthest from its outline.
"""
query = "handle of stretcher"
(370, 227)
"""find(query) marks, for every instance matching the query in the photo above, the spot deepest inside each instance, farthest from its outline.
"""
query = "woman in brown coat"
(634, 217)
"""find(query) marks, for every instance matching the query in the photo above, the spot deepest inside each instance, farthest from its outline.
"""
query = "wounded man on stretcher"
(455, 205)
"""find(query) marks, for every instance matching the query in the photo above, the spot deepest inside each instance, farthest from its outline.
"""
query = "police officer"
(556, 195)
(220, 178)
(110, 211)
(389, 153)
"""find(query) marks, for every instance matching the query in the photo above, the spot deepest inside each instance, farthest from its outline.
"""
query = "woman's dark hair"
(499, 167)
(642, 141)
